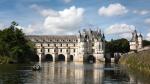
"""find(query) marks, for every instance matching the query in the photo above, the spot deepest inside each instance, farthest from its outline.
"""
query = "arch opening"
(48, 57)
(61, 57)
(91, 59)
(71, 58)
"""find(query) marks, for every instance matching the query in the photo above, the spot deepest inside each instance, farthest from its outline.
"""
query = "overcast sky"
(116, 18)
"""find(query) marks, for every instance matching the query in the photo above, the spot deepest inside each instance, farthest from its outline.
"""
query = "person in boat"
(36, 67)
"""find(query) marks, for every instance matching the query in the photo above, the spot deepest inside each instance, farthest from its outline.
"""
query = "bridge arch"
(61, 57)
(48, 57)
(91, 59)
(70, 57)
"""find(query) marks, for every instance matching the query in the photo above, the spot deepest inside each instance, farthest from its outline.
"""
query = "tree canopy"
(146, 43)
(14, 45)
(119, 45)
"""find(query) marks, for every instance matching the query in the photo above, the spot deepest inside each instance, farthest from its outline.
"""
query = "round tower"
(134, 41)
(140, 41)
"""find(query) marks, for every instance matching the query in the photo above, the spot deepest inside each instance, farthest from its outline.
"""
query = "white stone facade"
(88, 45)
(136, 41)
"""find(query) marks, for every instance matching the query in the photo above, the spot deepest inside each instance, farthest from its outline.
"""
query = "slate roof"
(52, 38)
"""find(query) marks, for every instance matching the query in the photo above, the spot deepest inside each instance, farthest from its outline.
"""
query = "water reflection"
(67, 73)
(78, 73)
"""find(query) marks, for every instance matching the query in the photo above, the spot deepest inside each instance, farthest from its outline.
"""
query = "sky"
(116, 18)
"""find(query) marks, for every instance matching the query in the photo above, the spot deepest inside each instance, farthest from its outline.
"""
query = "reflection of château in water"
(78, 73)
(88, 45)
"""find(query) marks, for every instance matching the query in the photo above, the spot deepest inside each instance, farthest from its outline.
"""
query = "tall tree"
(13, 44)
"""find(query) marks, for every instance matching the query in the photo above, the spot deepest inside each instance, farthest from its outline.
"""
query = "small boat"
(36, 68)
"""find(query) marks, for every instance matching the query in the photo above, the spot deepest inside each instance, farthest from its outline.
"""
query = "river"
(68, 73)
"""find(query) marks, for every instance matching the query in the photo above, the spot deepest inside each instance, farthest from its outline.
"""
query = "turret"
(136, 42)
(140, 41)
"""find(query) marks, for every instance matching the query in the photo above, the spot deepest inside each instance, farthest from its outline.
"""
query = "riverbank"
(5, 60)
(138, 61)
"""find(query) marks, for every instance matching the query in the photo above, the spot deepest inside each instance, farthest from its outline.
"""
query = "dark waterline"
(67, 73)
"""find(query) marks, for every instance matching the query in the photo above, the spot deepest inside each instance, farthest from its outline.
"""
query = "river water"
(68, 73)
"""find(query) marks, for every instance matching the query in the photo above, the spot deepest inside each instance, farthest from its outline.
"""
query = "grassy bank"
(138, 61)
(5, 60)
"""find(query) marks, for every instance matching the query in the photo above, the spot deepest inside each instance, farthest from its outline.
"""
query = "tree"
(120, 45)
(14, 45)
(146, 43)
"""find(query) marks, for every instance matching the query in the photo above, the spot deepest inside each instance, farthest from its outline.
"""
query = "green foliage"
(14, 45)
(146, 43)
(120, 45)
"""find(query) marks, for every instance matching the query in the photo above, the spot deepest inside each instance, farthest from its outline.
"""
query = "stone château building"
(136, 41)
(88, 45)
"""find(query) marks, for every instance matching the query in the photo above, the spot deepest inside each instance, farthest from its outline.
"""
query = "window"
(66, 50)
(48, 50)
(61, 45)
(54, 44)
(92, 44)
(93, 50)
(74, 50)
(60, 50)
(92, 39)
(41, 50)
(48, 44)
(41, 45)
(67, 45)
(74, 45)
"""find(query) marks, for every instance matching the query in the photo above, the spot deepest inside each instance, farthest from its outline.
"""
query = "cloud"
(44, 12)
(126, 35)
(120, 29)
(147, 21)
(1, 26)
(141, 12)
(112, 10)
(148, 36)
(67, 1)
(66, 21)
(36, 28)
